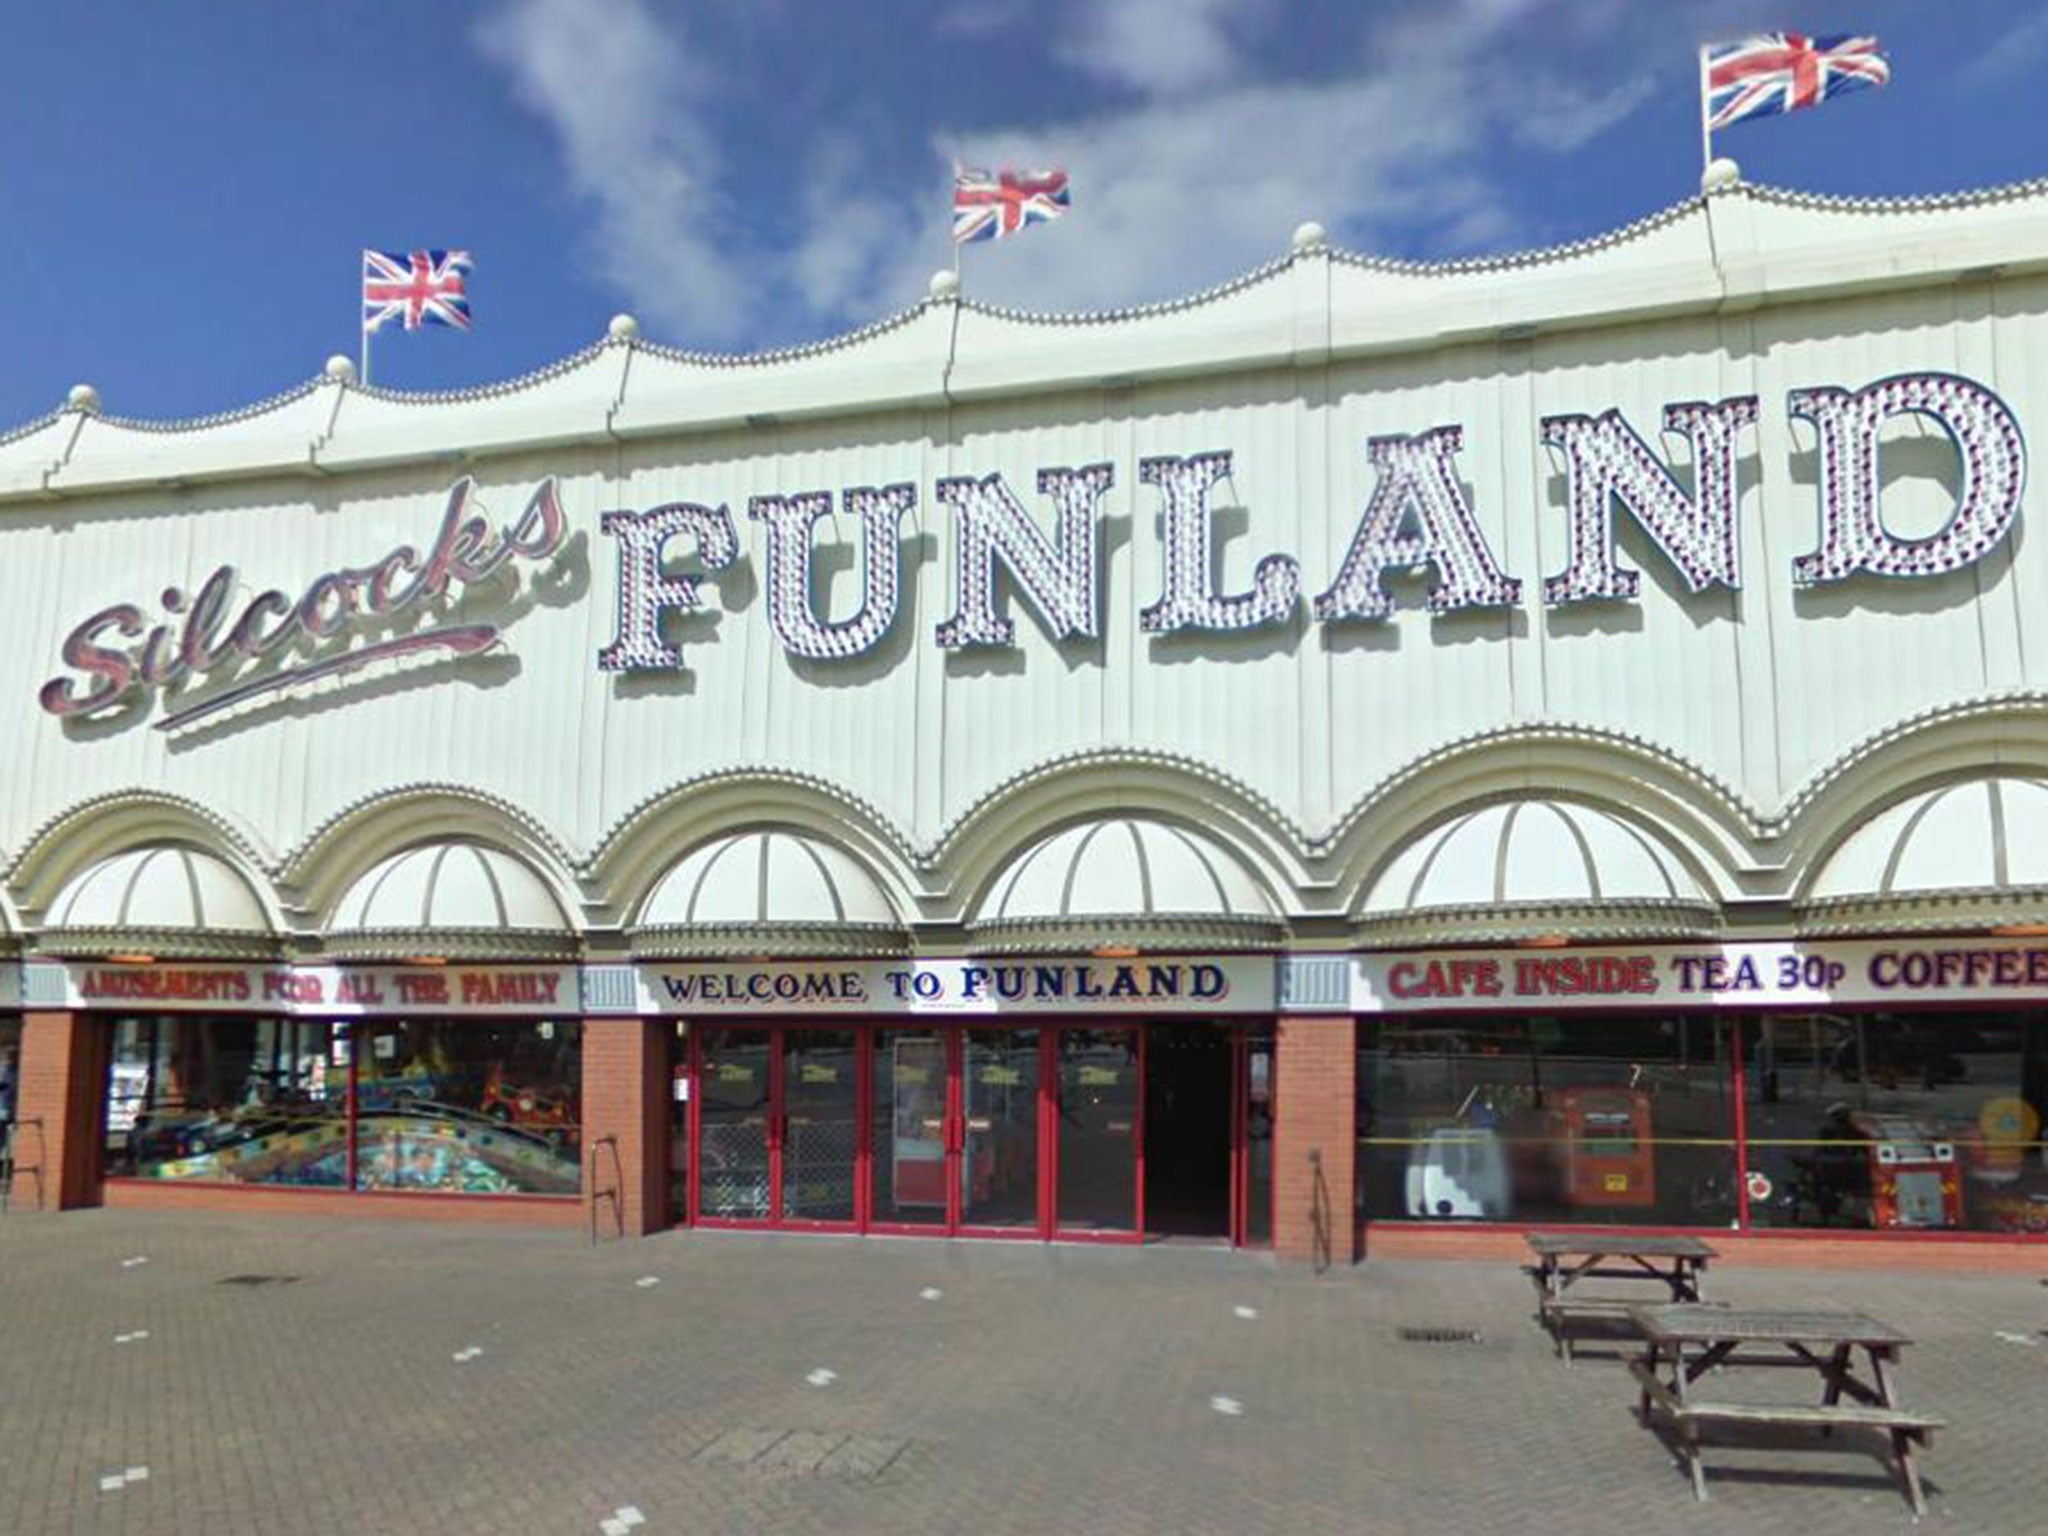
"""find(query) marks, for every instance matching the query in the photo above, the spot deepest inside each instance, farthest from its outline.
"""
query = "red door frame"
(777, 1131)
(875, 1036)
(1049, 1155)
(780, 1149)
(870, 1037)
(1040, 1229)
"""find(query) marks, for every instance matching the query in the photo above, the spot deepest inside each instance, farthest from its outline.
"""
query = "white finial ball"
(1720, 175)
(623, 328)
(945, 284)
(1310, 236)
(83, 397)
(339, 368)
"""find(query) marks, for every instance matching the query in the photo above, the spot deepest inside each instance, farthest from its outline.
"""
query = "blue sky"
(191, 183)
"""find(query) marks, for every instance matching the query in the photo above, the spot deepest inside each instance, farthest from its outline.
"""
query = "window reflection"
(450, 1106)
(1897, 1121)
(469, 1108)
(1624, 1120)
(241, 1101)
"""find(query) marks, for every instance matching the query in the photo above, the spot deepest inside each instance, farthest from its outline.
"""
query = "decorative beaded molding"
(1726, 797)
(778, 941)
(798, 353)
(225, 418)
(162, 943)
(137, 799)
(30, 427)
(864, 811)
(1503, 924)
(2011, 702)
(1455, 267)
(1926, 202)
(292, 867)
(1064, 935)
(1196, 300)
(494, 391)
(1132, 758)
(1921, 911)
(1545, 255)
(528, 944)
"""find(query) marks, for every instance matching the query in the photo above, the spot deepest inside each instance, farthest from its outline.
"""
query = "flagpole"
(363, 324)
(1706, 117)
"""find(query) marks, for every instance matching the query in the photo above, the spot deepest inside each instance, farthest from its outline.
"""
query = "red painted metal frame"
(1040, 1229)
(697, 1216)
(875, 1036)
(871, 1035)
(1049, 1098)
(779, 1118)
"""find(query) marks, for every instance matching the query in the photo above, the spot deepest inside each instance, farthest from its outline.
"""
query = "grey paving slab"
(1048, 1389)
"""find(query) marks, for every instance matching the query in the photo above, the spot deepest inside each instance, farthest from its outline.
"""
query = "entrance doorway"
(1106, 1132)
(778, 1125)
(1189, 1076)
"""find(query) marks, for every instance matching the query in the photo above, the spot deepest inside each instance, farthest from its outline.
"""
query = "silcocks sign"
(1418, 515)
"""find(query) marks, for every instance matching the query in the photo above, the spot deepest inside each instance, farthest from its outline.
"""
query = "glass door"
(819, 1126)
(1252, 1162)
(1099, 1158)
(1001, 1133)
(737, 1130)
(913, 1131)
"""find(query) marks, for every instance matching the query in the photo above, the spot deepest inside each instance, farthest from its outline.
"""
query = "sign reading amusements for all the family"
(1738, 976)
(1418, 515)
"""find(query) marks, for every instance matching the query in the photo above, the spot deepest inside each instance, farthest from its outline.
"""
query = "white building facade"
(1542, 740)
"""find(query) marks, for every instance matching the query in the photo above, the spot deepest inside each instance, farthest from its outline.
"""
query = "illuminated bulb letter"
(1188, 598)
(1056, 576)
(645, 592)
(790, 520)
(1992, 471)
(1415, 475)
(1607, 465)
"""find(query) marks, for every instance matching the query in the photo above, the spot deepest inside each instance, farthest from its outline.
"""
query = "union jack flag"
(989, 206)
(420, 288)
(1784, 71)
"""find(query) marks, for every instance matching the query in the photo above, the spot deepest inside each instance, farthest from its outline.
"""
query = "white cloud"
(1157, 46)
(2018, 49)
(1202, 168)
(621, 95)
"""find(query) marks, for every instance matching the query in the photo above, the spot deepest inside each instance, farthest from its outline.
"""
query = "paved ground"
(973, 1388)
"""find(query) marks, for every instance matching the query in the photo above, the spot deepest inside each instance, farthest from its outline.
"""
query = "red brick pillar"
(1315, 1068)
(625, 1123)
(61, 1082)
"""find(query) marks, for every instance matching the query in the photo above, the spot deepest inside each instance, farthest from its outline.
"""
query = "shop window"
(1615, 1119)
(457, 1107)
(236, 1101)
(1925, 1121)
(437, 1105)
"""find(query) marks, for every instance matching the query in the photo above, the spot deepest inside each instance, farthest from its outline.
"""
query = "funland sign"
(1418, 515)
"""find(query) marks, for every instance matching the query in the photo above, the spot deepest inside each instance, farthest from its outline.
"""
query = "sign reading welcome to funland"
(213, 649)
(1787, 975)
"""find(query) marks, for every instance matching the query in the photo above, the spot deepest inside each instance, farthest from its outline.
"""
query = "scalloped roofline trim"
(255, 408)
(2005, 192)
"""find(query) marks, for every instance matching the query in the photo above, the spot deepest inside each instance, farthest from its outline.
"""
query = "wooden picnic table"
(1563, 1259)
(1685, 1340)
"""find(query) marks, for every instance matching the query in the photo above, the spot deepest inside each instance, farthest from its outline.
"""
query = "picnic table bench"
(1687, 1340)
(1565, 1259)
